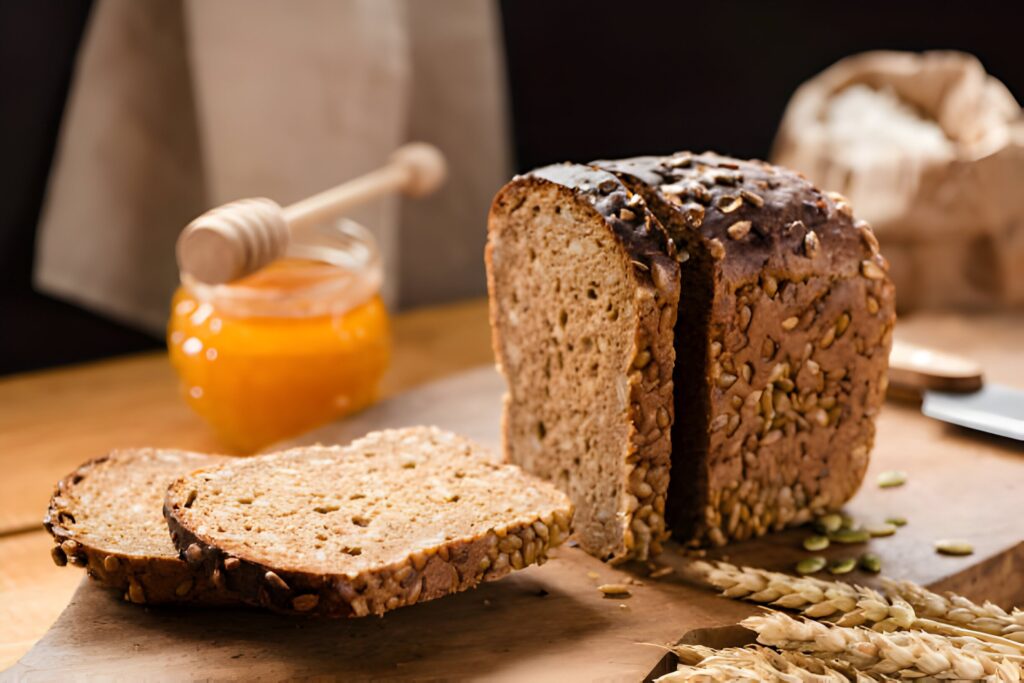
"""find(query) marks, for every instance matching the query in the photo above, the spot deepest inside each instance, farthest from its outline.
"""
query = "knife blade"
(952, 389)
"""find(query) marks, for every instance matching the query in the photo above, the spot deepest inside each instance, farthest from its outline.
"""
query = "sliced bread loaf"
(106, 516)
(395, 518)
(583, 294)
(785, 318)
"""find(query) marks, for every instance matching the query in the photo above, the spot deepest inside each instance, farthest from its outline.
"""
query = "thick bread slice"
(395, 518)
(584, 293)
(106, 516)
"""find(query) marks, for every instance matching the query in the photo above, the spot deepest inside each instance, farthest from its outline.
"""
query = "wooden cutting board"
(550, 622)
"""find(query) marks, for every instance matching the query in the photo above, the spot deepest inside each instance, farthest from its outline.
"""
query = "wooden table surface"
(51, 421)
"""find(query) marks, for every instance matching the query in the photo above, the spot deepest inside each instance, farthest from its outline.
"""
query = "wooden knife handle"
(914, 369)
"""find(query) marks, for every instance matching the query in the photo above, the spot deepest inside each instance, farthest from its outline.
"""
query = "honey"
(293, 346)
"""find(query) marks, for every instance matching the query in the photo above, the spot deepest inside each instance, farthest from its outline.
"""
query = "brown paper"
(930, 150)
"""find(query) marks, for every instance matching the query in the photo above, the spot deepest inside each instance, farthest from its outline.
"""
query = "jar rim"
(350, 274)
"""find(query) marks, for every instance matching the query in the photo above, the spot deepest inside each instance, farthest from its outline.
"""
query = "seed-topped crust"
(395, 518)
(783, 342)
(106, 516)
(584, 289)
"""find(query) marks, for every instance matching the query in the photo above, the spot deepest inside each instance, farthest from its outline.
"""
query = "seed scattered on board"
(884, 529)
(953, 546)
(870, 562)
(849, 536)
(618, 590)
(891, 479)
(896, 521)
(810, 565)
(829, 524)
(660, 572)
(816, 543)
(843, 565)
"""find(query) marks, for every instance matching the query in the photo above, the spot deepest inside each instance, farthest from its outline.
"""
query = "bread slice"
(395, 518)
(583, 293)
(106, 516)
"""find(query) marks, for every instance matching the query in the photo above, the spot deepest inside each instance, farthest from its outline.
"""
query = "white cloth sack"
(930, 150)
(180, 105)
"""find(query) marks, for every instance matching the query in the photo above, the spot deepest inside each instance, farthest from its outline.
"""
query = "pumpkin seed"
(810, 565)
(842, 566)
(849, 523)
(815, 543)
(850, 536)
(953, 546)
(614, 589)
(828, 524)
(896, 521)
(892, 478)
(870, 562)
(885, 529)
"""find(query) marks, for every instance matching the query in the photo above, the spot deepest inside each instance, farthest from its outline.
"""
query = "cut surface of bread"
(583, 296)
(107, 516)
(395, 518)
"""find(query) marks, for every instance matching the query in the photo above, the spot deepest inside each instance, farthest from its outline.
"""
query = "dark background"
(588, 79)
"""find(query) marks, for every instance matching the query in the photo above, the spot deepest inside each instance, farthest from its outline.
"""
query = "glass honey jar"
(294, 345)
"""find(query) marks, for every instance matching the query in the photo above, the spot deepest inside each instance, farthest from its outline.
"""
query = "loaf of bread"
(106, 516)
(584, 293)
(781, 341)
(395, 518)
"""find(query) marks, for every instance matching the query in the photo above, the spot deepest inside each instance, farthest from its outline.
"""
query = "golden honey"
(283, 350)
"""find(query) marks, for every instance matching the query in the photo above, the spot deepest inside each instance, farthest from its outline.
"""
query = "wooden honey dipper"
(241, 237)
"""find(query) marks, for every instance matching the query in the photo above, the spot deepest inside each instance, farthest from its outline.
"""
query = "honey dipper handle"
(233, 240)
(415, 169)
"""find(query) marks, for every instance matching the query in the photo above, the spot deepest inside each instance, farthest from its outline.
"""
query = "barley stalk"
(956, 609)
(699, 663)
(850, 605)
(904, 654)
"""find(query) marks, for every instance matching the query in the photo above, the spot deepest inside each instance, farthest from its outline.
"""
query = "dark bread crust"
(433, 573)
(647, 260)
(140, 578)
(793, 309)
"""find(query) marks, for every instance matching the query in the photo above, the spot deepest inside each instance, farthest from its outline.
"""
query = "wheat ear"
(843, 603)
(906, 654)
(956, 609)
(700, 663)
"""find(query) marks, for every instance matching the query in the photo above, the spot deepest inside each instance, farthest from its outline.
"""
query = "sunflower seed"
(810, 565)
(891, 479)
(728, 203)
(739, 230)
(953, 546)
(870, 562)
(815, 543)
(811, 244)
(842, 566)
(872, 270)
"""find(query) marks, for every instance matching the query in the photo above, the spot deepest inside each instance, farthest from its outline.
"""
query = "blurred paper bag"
(930, 150)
